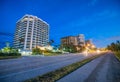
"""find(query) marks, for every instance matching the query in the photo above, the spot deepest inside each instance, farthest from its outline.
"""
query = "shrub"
(117, 54)
(115, 47)
(9, 54)
(36, 51)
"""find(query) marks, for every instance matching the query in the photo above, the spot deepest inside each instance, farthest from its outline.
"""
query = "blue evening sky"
(98, 20)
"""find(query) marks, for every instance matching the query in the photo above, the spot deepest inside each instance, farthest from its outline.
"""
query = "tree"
(69, 48)
(114, 46)
(36, 51)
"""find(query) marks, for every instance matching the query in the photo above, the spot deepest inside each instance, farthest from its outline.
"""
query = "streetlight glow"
(98, 51)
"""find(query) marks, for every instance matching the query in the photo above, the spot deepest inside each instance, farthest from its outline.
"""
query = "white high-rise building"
(31, 31)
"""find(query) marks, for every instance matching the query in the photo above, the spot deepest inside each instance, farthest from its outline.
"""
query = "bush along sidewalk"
(57, 74)
(115, 47)
(9, 55)
(117, 54)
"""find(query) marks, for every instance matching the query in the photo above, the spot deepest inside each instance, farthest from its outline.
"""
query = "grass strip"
(117, 54)
(8, 57)
(58, 74)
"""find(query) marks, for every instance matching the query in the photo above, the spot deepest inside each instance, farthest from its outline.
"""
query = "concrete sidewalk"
(94, 71)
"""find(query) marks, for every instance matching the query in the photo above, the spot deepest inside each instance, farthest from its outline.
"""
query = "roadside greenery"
(46, 52)
(8, 53)
(72, 48)
(36, 51)
(69, 48)
(57, 74)
(115, 47)
(8, 57)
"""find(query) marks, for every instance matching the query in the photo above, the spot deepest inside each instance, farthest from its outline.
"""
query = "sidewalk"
(90, 71)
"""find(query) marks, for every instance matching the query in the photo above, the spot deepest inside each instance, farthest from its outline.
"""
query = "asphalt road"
(21, 69)
(103, 69)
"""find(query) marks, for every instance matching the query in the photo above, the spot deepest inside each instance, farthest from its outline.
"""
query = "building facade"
(73, 40)
(73, 43)
(70, 40)
(89, 44)
(31, 31)
(81, 40)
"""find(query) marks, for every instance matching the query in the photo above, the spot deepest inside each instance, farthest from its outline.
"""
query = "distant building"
(73, 40)
(69, 40)
(89, 44)
(81, 40)
(76, 43)
(31, 31)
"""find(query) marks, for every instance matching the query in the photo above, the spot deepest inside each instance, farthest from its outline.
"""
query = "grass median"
(9, 57)
(57, 74)
(117, 54)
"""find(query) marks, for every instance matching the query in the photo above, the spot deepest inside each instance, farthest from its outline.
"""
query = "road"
(21, 69)
(103, 69)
